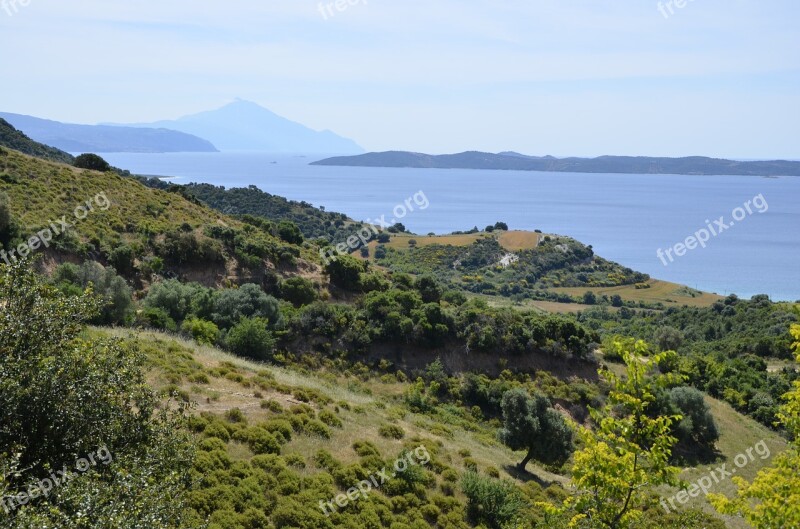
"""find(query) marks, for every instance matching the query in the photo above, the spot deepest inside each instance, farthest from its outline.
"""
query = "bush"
(247, 301)
(491, 502)
(250, 338)
(204, 332)
(298, 291)
(391, 431)
(92, 162)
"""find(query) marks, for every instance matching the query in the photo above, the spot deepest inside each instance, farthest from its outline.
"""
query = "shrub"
(92, 162)
(491, 502)
(250, 338)
(317, 428)
(298, 291)
(391, 431)
(330, 418)
(204, 332)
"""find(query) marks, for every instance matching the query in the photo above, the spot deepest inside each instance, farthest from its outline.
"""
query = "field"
(510, 240)
(670, 294)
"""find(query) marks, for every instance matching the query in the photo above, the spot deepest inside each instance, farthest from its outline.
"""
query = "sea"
(752, 224)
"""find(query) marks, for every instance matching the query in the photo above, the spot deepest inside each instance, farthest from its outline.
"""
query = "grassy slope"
(374, 403)
(670, 294)
(41, 191)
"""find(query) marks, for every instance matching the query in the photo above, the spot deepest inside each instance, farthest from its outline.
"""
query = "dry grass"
(670, 294)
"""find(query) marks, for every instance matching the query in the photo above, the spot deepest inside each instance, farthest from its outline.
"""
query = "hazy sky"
(561, 77)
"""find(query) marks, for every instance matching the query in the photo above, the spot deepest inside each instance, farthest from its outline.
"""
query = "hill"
(102, 138)
(14, 139)
(693, 165)
(142, 231)
(246, 126)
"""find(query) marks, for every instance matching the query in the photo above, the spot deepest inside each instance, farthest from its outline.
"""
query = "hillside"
(693, 165)
(246, 126)
(236, 394)
(14, 139)
(140, 229)
(102, 138)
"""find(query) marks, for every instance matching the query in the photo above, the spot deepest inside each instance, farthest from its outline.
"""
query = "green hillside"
(14, 139)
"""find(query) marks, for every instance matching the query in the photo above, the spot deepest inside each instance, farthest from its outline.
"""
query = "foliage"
(773, 498)
(628, 451)
(204, 332)
(63, 397)
(92, 162)
(492, 502)
(251, 338)
(531, 423)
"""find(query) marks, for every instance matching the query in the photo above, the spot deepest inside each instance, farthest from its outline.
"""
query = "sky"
(559, 77)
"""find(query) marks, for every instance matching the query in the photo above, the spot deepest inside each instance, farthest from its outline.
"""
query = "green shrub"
(250, 338)
(391, 431)
(330, 419)
(492, 502)
(317, 428)
(204, 332)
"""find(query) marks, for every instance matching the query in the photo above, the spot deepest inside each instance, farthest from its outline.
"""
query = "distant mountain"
(246, 126)
(14, 139)
(104, 138)
(693, 165)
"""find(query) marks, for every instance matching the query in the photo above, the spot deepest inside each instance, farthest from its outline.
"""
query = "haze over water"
(626, 218)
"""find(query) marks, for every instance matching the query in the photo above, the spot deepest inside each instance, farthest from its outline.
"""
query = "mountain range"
(103, 138)
(692, 165)
(238, 126)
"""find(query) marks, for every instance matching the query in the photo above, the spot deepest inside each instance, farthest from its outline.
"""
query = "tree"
(492, 502)
(589, 298)
(616, 300)
(429, 289)
(289, 232)
(247, 301)
(65, 395)
(251, 338)
(501, 226)
(668, 338)
(531, 423)
(773, 498)
(298, 291)
(9, 230)
(345, 272)
(92, 162)
(628, 451)
(696, 431)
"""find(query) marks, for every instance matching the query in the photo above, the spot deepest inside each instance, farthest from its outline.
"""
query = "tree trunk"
(524, 462)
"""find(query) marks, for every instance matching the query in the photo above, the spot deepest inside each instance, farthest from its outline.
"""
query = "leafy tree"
(64, 396)
(531, 423)
(668, 338)
(697, 431)
(429, 289)
(502, 226)
(122, 259)
(628, 451)
(773, 498)
(298, 291)
(179, 299)
(589, 298)
(616, 300)
(383, 238)
(345, 272)
(92, 162)
(289, 232)
(251, 338)
(247, 301)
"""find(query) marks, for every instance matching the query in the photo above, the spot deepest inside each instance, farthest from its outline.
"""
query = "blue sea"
(626, 218)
